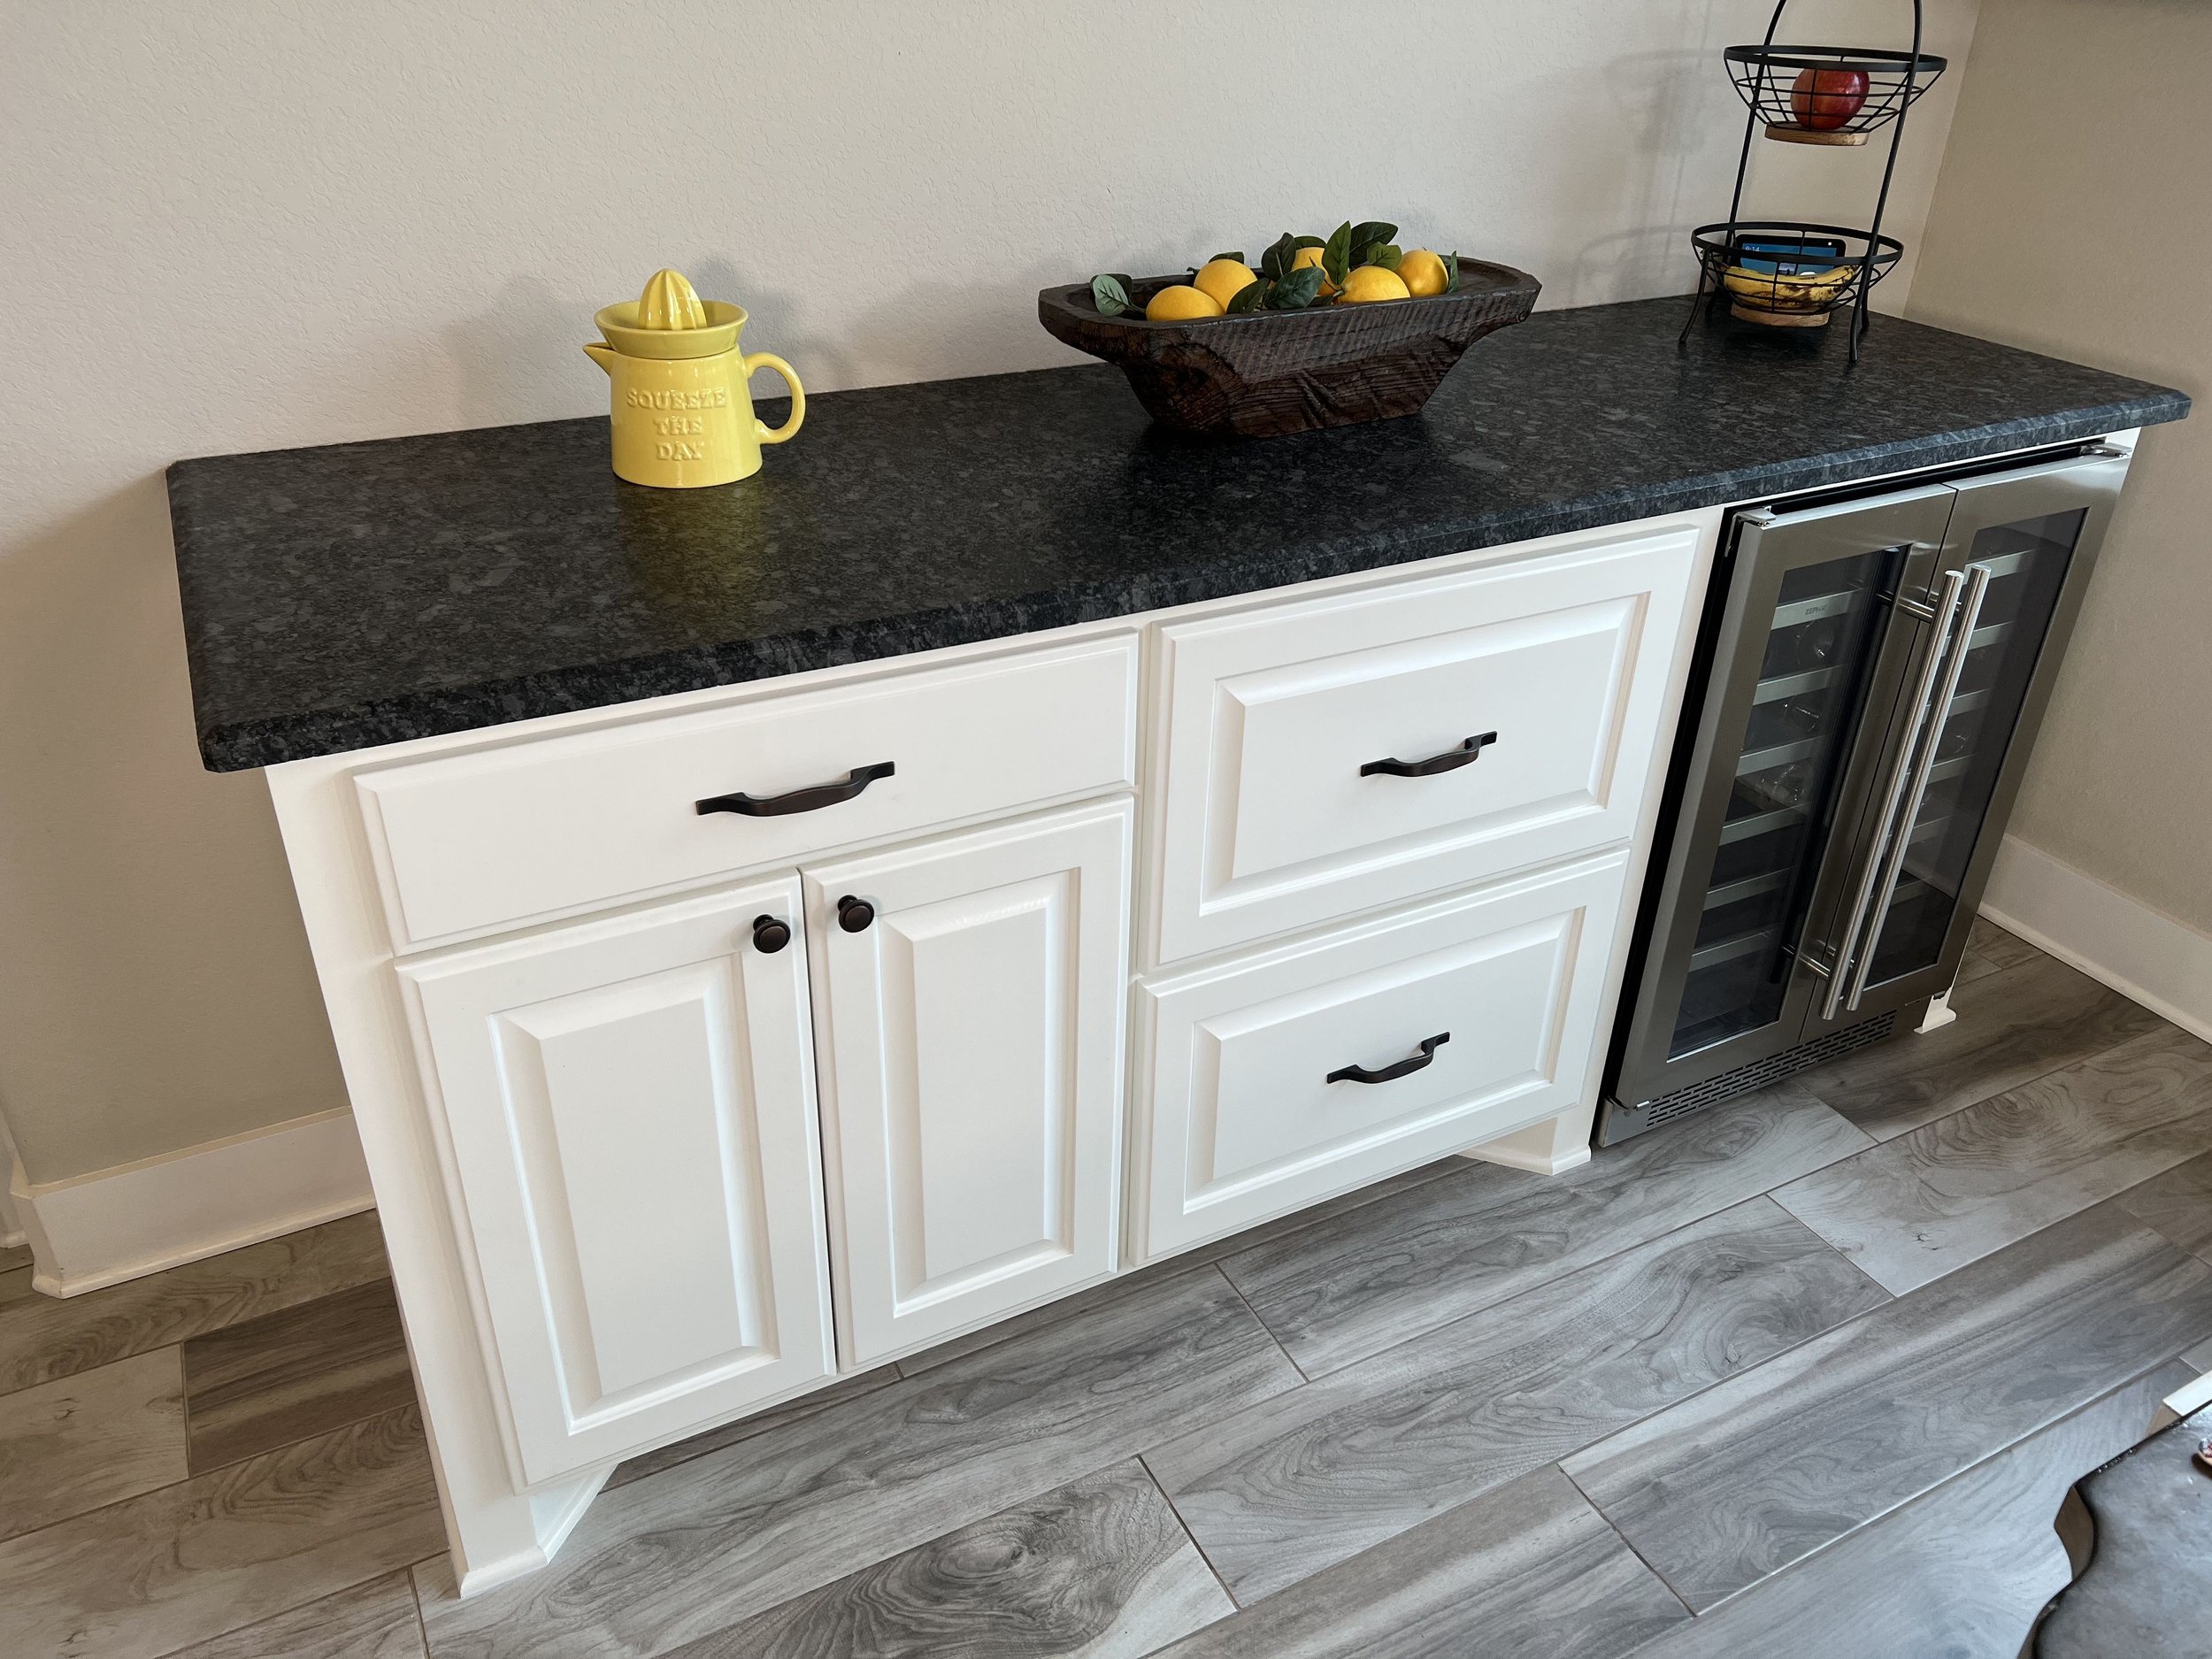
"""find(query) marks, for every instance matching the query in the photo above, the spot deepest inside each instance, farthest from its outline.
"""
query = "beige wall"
(235, 226)
(2074, 216)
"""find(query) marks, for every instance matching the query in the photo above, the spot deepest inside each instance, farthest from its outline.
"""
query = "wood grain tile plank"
(696, 1548)
(376, 1620)
(143, 1578)
(14, 1257)
(45, 1337)
(304, 1370)
(1722, 1489)
(1960, 1572)
(78, 1442)
(15, 1286)
(1530, 1569)
(1084, 1303)
(2013, 1026)
(1418, 1259)
(730, 1433)
(1294, 1484)
(1936, 1197)
(2178, 1203)
(1097, 1569)
(1991, 949)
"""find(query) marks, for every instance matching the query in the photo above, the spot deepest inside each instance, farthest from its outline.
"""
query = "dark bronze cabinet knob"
(771, 935)
(854, 915)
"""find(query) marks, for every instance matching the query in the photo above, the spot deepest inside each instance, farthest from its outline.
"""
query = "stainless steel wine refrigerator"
(1875, 671)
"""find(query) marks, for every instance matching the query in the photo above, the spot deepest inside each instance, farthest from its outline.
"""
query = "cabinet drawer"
(1242, 1121)
(1527, 700)
(548, 826)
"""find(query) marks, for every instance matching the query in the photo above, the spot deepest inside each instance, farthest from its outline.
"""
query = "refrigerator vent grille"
(1773, 1069)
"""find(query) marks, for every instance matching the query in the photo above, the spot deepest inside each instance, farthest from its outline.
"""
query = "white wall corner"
(2140, 952)
(138, 1219)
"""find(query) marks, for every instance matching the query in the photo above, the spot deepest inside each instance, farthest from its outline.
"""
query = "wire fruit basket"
(1829, 95)
(1788, 273)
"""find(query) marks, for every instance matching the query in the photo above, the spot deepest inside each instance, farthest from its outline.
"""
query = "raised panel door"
(971, 1037)
(629, 1111)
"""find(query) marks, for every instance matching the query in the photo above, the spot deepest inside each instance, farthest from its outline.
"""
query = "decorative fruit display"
(1825, 99)
(1357, 264)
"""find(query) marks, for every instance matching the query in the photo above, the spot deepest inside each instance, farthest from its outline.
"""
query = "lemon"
(1422, 272)
(1180, 304)
(1305, 256)
(1220, 280)
(1371, 282)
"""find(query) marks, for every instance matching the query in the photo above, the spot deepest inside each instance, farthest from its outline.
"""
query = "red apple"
(1824, 99)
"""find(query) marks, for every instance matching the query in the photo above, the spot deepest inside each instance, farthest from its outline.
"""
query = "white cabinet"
(641, 1175)
(628, 1111)
(968, 1006)
(1278, 1081)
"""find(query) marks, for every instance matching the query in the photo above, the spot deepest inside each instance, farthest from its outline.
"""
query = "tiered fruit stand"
(1792, 274)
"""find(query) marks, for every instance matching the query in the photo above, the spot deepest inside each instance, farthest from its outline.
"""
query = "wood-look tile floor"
(1806, 1373)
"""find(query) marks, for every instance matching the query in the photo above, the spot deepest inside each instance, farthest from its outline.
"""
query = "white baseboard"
(138, 1219)
(2140, 952)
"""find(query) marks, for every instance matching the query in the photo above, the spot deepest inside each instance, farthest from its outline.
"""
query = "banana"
(1808, 292)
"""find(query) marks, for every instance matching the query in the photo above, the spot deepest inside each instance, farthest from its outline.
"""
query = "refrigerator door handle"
(1957, 611)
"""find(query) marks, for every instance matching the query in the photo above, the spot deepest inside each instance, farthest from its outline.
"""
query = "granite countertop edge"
(244, 745)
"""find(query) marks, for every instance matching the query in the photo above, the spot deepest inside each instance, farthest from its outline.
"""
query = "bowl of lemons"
(1321, 331)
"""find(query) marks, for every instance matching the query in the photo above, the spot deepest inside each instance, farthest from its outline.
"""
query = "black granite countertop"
(361, 593)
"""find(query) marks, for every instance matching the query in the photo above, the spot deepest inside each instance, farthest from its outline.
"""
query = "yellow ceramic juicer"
(683, 413)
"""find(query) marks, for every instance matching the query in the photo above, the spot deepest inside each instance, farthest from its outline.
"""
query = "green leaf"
(1336, 253)
(1251, 297)
(1239, 258)
(1296, 291)
(1275, 262)
(1373, 231)
(1451, 273)
(1110, 294)
(1385, 256)
(1311, 242)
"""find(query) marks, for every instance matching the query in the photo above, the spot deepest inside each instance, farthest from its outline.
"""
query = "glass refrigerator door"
(2003, 592)
(1793, 742)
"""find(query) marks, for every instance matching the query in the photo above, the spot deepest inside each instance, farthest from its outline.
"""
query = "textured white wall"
(238, 226)
(2074, 217)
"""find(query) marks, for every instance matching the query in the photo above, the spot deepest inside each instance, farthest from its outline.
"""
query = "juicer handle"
(755, 362)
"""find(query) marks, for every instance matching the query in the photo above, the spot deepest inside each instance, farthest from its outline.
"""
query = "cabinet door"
(970, 1030)
(629, 1108)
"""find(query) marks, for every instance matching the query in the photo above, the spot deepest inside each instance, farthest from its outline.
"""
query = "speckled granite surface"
(361, 593)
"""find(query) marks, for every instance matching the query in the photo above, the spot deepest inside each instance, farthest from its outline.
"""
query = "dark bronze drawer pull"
(809, 800)
(770, 935)
(1450, 760)
(1391, 1073)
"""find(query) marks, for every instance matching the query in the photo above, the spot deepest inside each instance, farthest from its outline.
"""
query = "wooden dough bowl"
(1265, 373)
